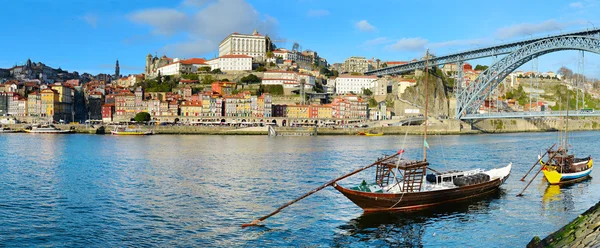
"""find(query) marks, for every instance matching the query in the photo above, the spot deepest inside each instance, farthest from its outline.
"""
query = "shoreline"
(583, 231)
(444, 127)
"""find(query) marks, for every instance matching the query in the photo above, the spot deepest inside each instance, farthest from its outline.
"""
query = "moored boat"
(562, 167)
(46, 129)
(402, 185)
(412, 192)
(130, 131)
(4, 129)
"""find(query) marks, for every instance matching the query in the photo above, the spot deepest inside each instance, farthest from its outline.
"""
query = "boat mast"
(567, 124)
(426, 105)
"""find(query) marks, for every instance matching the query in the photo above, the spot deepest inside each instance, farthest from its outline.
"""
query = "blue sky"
(88, 36)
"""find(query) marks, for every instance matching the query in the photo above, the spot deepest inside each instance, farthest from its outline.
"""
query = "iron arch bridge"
(469, 98)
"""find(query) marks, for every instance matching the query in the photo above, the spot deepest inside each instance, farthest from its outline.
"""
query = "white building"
(289, 79)
(354, 84)
(181, 66)
(231, 63)
(254, 45)
(405, 83)
(295, 56)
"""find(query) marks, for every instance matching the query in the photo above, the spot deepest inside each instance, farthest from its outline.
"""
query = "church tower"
(117, 71)
(148, 63)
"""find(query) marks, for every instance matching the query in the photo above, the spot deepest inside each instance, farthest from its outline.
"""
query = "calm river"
(109, 191)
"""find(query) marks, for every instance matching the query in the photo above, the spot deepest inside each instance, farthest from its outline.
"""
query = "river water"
(100, 190)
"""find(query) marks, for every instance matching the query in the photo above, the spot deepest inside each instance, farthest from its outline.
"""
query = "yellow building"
(191, 108)
(298, 111)
(49, 103)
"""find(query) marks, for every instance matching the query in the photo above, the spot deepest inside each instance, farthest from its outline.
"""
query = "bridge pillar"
(458, 85)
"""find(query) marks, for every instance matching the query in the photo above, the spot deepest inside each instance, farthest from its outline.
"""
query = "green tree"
(481, 67)
(372, 103)
(208, 79)
(250, 79)
(142, 117)
(367, 92)
(271, 64)
(216, 71)
(205, 69)
(384, 65)
(270, 54)
(261, 69)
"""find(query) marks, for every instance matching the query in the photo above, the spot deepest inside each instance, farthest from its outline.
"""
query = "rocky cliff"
(437, 94)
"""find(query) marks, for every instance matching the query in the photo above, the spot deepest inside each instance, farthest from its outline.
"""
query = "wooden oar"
(536, 174)
(536, 162)
(255, 222)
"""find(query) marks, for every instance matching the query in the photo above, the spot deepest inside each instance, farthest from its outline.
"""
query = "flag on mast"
(425, 143)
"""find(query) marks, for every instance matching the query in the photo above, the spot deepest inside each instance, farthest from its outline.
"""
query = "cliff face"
(437, 95)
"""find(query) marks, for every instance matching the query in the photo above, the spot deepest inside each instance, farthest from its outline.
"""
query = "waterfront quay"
(446, 126)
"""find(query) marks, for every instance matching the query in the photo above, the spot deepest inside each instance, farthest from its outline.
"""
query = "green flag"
(425, 143)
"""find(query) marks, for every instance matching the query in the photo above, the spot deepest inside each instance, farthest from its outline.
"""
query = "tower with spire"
(117, 71)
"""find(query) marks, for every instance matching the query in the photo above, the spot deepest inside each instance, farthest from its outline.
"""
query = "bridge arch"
(471, 97)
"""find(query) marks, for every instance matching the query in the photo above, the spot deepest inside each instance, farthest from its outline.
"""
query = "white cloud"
(91, 19)
(526, 29)
(458, 43)
(576, 5)
(409, 44)
(364, 26)
(377, 41)
(163, 21)
(317, 13)
(206, 27)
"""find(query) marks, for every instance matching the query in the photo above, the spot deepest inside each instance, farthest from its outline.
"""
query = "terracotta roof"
(193, 61)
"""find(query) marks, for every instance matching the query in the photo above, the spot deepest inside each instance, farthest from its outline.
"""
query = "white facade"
(405, 83)
(231, 63)
(254, 45)
(355, 84)
(181, 66)
(288, 79)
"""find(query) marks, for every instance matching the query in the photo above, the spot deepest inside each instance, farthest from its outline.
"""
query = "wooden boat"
(47, 129)
(401, 185)
(130, 131)
(562, 167)
(412, 192)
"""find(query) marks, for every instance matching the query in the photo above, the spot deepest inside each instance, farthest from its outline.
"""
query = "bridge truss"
(469, 98)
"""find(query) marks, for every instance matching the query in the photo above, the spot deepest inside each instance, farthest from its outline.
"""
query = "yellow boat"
(564, 168)
(374, 134)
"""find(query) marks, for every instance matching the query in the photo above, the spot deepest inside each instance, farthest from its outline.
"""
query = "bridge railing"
(531, 114)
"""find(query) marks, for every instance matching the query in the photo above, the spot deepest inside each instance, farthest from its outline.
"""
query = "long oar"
(536, 162)
(255, 222)
(536, 174)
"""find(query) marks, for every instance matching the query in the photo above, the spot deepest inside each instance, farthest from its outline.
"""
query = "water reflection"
(560, 198)
(408, 229)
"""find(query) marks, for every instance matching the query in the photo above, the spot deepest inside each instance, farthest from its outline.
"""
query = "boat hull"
(49, 131)
(130, 133)
(554, 177)
(375, 202)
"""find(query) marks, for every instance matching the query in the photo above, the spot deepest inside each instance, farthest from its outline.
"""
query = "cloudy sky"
(88, 36)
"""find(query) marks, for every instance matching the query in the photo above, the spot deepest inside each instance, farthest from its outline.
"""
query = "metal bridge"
(469, 98)
(530, 114)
